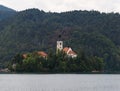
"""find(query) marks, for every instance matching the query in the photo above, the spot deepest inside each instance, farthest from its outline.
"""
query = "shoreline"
(59, 73)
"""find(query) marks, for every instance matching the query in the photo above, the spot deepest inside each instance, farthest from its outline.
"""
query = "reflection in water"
(59, 82)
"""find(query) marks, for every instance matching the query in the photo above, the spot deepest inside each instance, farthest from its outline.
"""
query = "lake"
(59, 82)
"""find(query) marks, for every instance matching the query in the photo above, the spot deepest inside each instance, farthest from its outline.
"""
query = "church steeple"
(59, 44)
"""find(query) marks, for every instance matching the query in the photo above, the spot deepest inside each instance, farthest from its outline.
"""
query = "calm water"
(59, 82)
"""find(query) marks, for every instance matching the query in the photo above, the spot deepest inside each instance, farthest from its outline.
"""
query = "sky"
(64, 5)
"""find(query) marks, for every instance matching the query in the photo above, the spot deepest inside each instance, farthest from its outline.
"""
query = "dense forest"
(95, 33)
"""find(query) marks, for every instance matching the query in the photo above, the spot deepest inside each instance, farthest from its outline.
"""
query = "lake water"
(59, 82)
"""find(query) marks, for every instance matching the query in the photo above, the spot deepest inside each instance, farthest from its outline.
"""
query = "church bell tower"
(59, 44)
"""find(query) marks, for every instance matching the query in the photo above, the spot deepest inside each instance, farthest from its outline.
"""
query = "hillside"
(6, 12)
(93, 32)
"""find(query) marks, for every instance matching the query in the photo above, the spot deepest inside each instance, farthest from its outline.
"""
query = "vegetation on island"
(56, 63)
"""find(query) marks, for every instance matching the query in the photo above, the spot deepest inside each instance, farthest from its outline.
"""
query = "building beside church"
(69, 52)
(40, 53)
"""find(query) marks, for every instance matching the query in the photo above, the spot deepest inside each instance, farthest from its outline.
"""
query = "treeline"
(56, 63)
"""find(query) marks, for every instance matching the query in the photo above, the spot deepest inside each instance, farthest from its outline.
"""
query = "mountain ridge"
(6, 12)
(4, 8)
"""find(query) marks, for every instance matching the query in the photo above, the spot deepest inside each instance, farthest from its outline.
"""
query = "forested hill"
(95, 33)
(6, 12)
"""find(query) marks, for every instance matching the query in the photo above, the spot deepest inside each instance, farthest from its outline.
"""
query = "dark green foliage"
(97, 34)
(57, 63)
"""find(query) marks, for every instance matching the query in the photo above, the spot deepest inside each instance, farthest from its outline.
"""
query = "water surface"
(59, 82)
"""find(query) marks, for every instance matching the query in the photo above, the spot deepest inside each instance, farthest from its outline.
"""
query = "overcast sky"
(64, 5)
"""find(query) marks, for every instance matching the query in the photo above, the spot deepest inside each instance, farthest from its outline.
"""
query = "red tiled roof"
(40, 53)
(72, 52)
(43, 54)
(66, 49)
(69, 51)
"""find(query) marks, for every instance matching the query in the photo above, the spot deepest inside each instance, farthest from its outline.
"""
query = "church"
(68, 50)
